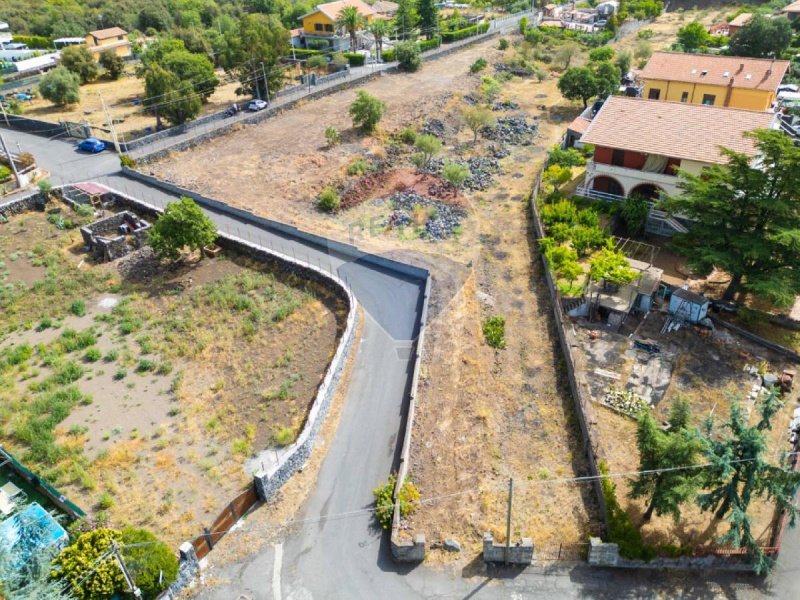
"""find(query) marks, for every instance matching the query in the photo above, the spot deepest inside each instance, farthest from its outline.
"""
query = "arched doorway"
(648, 191)
(607, 185)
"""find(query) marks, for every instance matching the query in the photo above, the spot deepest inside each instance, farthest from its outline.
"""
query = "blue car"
(92, 145)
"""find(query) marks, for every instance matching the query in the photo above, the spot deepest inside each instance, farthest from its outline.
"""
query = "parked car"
(257, 105)
(92, 145)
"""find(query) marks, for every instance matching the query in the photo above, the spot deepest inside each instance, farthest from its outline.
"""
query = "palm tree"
(350, 20)
(379, 28)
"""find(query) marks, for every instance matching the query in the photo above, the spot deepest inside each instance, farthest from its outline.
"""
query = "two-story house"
(729, 81)
(792, 11)
(113, 39)
(639, 145)
(320, 23)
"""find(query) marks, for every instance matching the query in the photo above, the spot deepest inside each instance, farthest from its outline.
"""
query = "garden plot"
(140, 390)
(710, 371)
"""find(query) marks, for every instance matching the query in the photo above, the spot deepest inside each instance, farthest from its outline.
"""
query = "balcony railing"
(661, 179)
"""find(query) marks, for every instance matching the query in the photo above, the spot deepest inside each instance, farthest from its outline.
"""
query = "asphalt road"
(348, 557)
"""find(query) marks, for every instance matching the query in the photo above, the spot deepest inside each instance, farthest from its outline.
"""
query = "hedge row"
(424, 45)
(355, 59)
(462, 34)
(34, 42)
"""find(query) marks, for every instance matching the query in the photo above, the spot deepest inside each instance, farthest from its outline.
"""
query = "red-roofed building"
(640, 144)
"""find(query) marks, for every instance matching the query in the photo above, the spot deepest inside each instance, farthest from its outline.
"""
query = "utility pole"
(255, 80)
(128, 579)
(111, 124)
(266, 81)
(11, 161)
(508, 520)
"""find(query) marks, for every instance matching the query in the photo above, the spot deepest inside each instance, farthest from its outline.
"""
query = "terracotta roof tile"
(686, 131)
(752, 73)
(742, 20)
(794, 7)
(580, 124)
(332, 9)
(104, 34)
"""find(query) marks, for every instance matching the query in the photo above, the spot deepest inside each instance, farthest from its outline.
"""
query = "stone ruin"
(115, 236)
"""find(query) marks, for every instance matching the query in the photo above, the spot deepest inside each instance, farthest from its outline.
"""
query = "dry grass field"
(158, 383)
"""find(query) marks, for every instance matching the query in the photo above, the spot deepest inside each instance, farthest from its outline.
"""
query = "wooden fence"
(238, 507)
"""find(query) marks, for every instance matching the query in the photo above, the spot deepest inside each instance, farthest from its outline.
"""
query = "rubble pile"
(518, 70)
(505, 105)
(434, 127)
(625, 401)
(498, 151)
(441, 219)
(482, 170)
(512, 130)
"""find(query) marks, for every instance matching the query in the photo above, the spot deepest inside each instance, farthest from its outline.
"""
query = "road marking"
(276, 572)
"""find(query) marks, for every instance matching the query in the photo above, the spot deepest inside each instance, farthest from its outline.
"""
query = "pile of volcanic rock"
(517, 70)
(443, 218)
(505, 105)
(482, 171)
(434, 127)
(517, 131)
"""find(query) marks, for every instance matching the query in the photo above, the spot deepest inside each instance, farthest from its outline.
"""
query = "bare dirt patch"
(164, 384)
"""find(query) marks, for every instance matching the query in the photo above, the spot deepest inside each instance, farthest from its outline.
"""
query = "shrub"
(602, 53)
(523, 27)
(645, 34)
(106, 578)
(358, 167)
(408, 498)
(78, 308)
(317, 44)
(478, 65)
(120, 375)
(462, 34)
(610, 265)
(494, 330)
(355, 59)
(5, 173)
(388, 55)
(145, 366)
(502, 44)
(366, 111)
(455, 174)
(559, 212)
(490, 88)
(332, 136)
(105, 502)
(565, 158)
(587, 237)
(45, 187)
(329, 200)
(430, 44)
(540, 74)
(152, 563)
(408, 56)
(113, 64)
(407, 135)
(284, 436)
(93, 354)
(317, 62)
(621, 529)
(477, 118)
(634, 211)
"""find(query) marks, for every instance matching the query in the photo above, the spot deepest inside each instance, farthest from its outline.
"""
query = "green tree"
(610, 265)
(602, 53)
(455, 174)
(60, 86)
(366, 111)
(566, 53)
(428, 17)
(762, 37)
(113, 64)
(693, 37)
(429, 146)
(490, 88)
(642, 52)
(634, 211)
(408, 56)
(351, 21)
(182, 225)
(80, 567)
(196, 69)
(79, 60)
(624, 60)
(380, 30)
(152, 563)
(659, 453)
(746, 219)
(578, 83)
(257, 39)
(607, 77)
(477, 118)
(406, 18)
(168, 97)
(740, 472)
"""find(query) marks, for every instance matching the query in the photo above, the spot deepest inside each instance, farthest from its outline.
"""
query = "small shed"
(688, 305)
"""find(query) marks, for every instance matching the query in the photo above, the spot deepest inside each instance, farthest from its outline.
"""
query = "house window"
(329, 28)
(685, 97)
(709, 99)
(317, 26)
(654, 93)
(618, 158)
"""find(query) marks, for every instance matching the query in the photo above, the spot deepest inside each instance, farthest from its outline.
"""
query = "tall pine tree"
(659, 452)
(428, 17)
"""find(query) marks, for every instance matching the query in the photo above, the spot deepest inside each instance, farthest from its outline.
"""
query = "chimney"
(741, 68)
(771, 64)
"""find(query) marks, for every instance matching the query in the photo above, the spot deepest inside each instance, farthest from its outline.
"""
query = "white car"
(256, 105)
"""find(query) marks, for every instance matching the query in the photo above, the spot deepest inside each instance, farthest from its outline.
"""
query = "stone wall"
(20, 205)
(607, 555)
(104, 240)
(519, 553)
